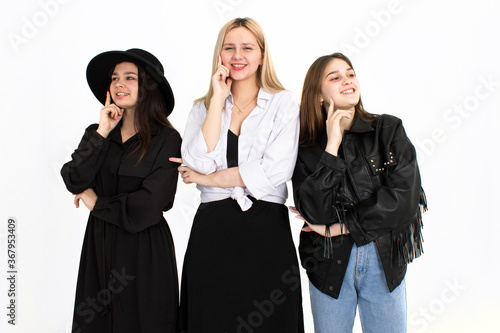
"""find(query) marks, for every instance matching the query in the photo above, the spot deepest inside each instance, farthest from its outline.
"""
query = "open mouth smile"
(238, 67)
(348, 91)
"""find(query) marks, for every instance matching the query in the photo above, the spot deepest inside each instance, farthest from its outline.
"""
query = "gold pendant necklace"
(240, 111)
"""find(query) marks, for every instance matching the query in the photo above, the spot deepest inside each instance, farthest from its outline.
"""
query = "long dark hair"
(312, 112)
(150, 109)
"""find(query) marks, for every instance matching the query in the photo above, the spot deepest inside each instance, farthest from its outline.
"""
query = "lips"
(348, 91)
(122, 94)
(238, 67)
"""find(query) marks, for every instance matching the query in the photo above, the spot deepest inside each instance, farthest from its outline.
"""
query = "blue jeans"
(364, 285)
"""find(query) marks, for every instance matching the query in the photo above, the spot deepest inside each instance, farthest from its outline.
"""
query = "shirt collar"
(262, 98)
(116, 135)
(360, 126)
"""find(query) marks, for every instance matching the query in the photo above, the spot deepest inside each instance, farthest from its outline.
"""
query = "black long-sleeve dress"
(127, 280)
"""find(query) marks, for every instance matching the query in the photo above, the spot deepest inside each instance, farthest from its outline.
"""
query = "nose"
(119, 83)
(237, 53)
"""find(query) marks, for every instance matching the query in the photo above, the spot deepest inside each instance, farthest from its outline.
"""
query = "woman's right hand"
(109, 118)
(334, 129)
(221, 81)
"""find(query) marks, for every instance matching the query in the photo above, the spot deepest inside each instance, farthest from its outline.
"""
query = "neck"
(346, 123)
(128, 124)
(244, 90)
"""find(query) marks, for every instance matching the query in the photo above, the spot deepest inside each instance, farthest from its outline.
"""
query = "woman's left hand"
(88, 197)
(309, 227)
(335, 229)
(190, 176)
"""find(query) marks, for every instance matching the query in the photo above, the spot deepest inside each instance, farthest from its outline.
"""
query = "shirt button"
(361, 238)
(393, 282)
(330, 287)
(339, 261)
(366, 195)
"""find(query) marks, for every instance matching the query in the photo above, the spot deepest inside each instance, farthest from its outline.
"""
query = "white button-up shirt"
(267, 148)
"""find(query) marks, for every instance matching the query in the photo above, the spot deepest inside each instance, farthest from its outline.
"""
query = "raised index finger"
(220, 61)
(108, 99)
(331, 108)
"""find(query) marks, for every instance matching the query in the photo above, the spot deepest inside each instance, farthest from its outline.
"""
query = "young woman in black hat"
(240, 270)
(121, 171)
(357, 184)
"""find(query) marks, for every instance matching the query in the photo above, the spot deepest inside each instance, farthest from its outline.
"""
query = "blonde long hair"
(266, 75)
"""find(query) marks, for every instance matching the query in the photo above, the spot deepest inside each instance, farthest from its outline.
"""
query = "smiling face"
(241, 54)
(339, 82)
(124, 85)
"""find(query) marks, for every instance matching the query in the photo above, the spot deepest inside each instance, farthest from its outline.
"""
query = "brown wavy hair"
(312, 113)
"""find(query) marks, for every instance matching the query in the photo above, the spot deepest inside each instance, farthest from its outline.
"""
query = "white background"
(427, 62)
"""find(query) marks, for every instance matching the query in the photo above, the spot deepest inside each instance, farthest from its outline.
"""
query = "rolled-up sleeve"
(275, 167)
(194, 148)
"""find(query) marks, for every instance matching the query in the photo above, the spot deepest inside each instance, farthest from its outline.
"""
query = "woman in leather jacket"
(357, 187)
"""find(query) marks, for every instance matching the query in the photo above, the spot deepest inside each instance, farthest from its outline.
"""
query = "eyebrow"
(241, 44)
(126, 73)
(334, 72)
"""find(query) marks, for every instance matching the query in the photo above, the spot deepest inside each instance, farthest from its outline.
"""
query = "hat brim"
(98, 75)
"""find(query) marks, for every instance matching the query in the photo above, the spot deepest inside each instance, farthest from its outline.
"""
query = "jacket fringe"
(342, 205)
(407, 242)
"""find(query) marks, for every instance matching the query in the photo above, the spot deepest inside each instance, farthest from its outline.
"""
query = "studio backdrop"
(434, 64)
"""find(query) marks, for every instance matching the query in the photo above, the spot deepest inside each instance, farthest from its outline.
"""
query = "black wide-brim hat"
(100, 66)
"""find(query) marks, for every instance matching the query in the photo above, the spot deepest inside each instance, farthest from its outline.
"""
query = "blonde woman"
(240, 271)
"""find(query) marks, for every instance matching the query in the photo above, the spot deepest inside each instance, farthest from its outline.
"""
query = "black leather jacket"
(373, 187)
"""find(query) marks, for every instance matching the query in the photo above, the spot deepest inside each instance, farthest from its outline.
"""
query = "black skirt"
(240, 271)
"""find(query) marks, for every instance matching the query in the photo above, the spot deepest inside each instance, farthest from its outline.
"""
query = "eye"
(114, 78)
(335, 78)
(130, 78)
(228, 48)
(351, 75)
(248, 48)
